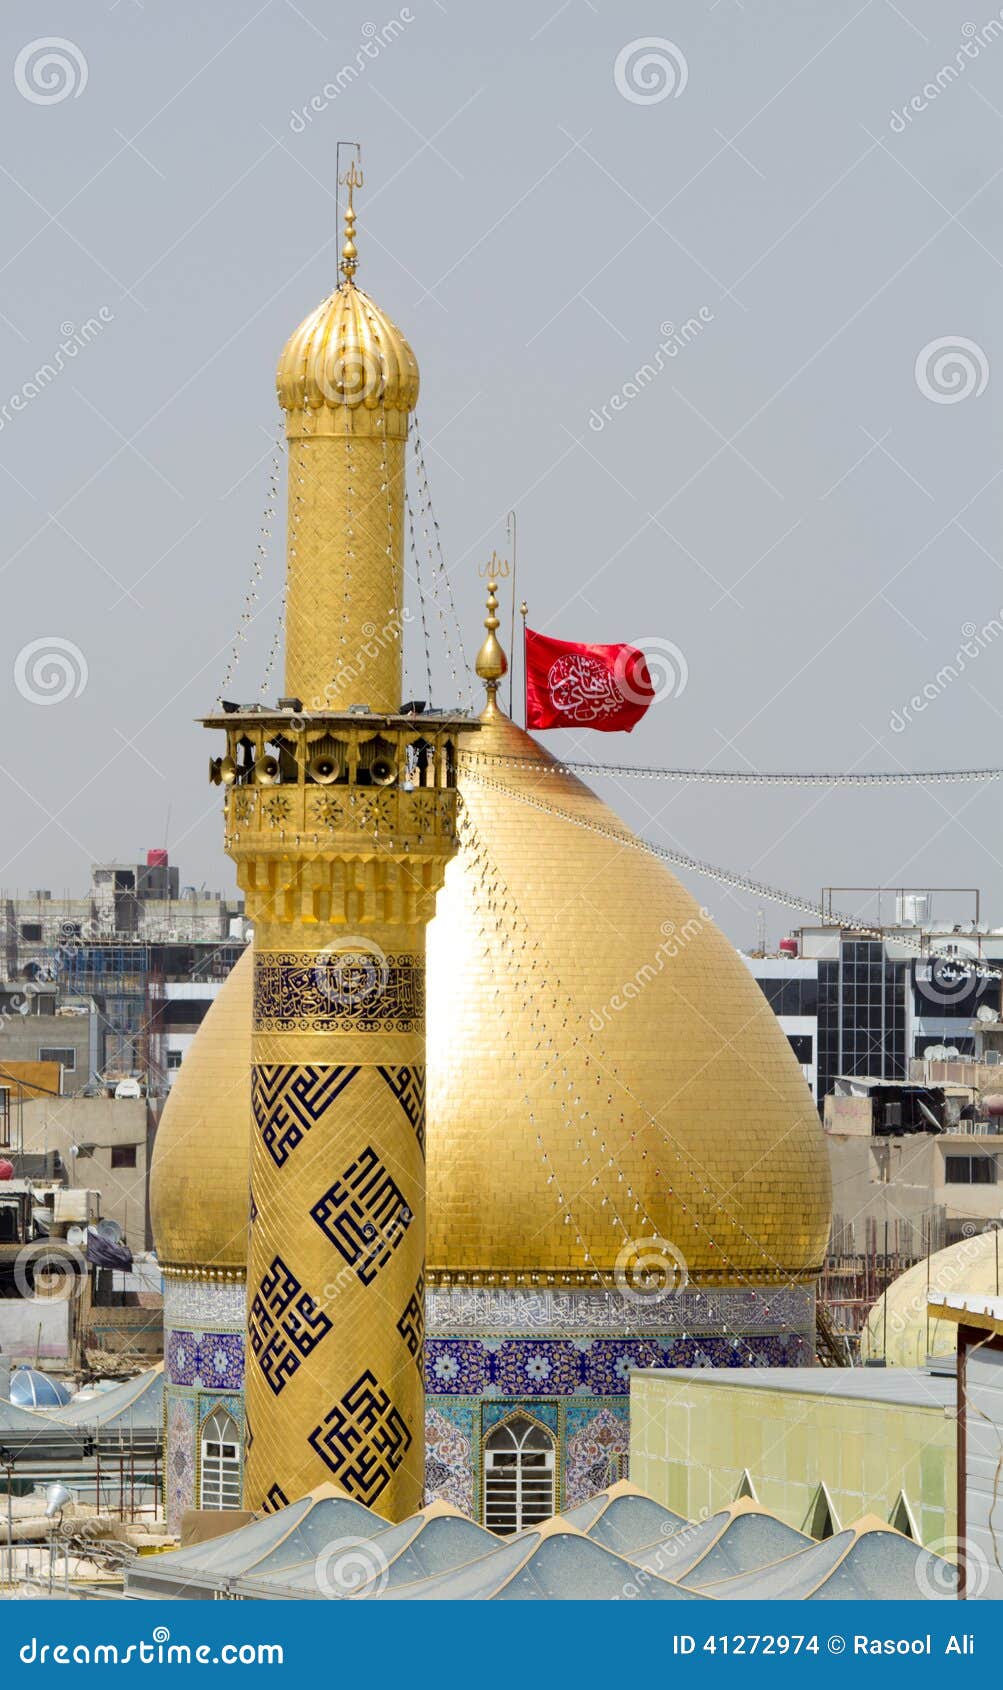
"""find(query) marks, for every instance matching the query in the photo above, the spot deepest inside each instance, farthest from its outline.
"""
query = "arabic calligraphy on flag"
(569, 685)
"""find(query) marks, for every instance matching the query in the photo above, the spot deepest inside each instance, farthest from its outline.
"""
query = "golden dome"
(347, 352)
(198, 1177)
(601, 1065)
(898, 1329)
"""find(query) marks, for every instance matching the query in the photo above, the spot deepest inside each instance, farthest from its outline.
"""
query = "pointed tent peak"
(623, 1487)
(556, 1526)
(744, 1504)
(746, 1488)
(441, 1510)
(328, 1490)
(352, 179)
(492, 664)
(873, 1523)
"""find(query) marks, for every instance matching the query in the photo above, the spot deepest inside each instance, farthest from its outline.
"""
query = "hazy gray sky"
(799, 500)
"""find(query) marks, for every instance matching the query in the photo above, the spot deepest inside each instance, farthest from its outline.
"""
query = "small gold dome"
(347, 352)
(900, 1332)
(567, 972)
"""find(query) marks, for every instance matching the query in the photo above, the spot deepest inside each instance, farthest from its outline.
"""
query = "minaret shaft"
(344, 613)
(341, 818)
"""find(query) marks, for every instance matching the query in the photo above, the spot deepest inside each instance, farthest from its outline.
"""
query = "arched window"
(519, 1473)
(220, 1484)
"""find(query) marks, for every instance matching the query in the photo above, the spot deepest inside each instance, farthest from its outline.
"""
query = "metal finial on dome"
(351, 180)
(491, 662)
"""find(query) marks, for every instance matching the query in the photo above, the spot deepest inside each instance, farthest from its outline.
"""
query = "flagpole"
(510, 529)
(523, 612)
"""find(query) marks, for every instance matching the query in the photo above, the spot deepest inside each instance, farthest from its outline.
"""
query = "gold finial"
(351, 180)
(491, 663)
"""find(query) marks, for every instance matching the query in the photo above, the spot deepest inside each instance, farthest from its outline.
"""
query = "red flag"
(607, 687)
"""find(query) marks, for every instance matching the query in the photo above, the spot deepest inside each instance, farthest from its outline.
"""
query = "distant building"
(113, 985)
(867, 1003)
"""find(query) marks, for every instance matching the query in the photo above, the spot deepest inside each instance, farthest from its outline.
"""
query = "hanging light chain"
(441, 579)
(248, 613)
(726, 877)
(891, 777)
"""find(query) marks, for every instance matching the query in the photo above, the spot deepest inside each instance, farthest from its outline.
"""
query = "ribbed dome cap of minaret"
(347, 351)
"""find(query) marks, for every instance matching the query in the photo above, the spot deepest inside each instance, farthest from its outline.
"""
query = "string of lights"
(413, 545)
(730, 878)
(248, 612)
(752, 777)
(531, 974)
(441, 582)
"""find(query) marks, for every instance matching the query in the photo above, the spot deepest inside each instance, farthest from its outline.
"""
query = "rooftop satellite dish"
(951, 1053)
(111, 1230)
(936, 1053)
(986, 1012)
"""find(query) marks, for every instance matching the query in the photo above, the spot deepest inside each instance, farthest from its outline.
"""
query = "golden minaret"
(340, 817)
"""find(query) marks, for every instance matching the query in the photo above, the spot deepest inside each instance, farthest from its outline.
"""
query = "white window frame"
(520, 1475)
(219, 1468)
